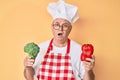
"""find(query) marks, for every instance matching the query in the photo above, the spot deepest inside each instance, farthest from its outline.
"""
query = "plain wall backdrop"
(23, 21)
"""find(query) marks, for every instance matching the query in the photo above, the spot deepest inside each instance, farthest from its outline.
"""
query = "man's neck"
(60, 43)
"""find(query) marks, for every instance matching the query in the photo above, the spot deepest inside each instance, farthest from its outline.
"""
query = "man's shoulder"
(75, 44)
(44, 44)
(75, 47)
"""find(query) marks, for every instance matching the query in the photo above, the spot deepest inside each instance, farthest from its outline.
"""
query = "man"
(59, 58)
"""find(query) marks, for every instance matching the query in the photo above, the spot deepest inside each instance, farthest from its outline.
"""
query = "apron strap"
(68, 46)
(50, 47)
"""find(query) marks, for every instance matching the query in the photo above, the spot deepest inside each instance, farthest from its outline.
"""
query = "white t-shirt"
(75, 52)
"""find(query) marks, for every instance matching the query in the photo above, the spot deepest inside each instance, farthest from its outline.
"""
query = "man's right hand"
(28, 69)
(28, 61)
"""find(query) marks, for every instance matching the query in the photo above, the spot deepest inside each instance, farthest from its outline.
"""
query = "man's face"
(61, 28)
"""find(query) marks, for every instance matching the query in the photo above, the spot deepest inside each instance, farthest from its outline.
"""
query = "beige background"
(23, 21)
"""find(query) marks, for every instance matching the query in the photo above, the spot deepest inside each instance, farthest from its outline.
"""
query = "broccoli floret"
(32, 49)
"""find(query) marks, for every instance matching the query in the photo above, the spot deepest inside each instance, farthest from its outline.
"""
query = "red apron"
(56, 66)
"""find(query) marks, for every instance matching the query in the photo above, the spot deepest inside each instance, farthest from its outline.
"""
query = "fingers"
(90, 64)
(92, 60)
(28, 61)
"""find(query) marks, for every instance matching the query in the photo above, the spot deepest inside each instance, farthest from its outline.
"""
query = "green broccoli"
(32, 49)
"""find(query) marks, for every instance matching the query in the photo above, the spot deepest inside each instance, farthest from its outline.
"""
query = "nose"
(61, 28)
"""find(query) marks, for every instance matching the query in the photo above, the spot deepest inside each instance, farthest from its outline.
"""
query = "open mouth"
(60, 34)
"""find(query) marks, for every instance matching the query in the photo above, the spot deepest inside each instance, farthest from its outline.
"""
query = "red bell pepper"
(87, 51)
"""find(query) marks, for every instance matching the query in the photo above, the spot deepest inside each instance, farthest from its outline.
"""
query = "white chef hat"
(61, 9)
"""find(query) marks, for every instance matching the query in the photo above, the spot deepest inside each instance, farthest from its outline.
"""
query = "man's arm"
(29, 73)
(89, 75)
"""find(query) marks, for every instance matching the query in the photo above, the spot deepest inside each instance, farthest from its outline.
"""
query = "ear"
(70, 28)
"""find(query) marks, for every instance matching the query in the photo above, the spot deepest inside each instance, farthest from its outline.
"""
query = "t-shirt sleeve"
(81, 70)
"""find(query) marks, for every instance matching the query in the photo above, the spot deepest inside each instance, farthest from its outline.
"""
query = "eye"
(56, 26)
(65, 25)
